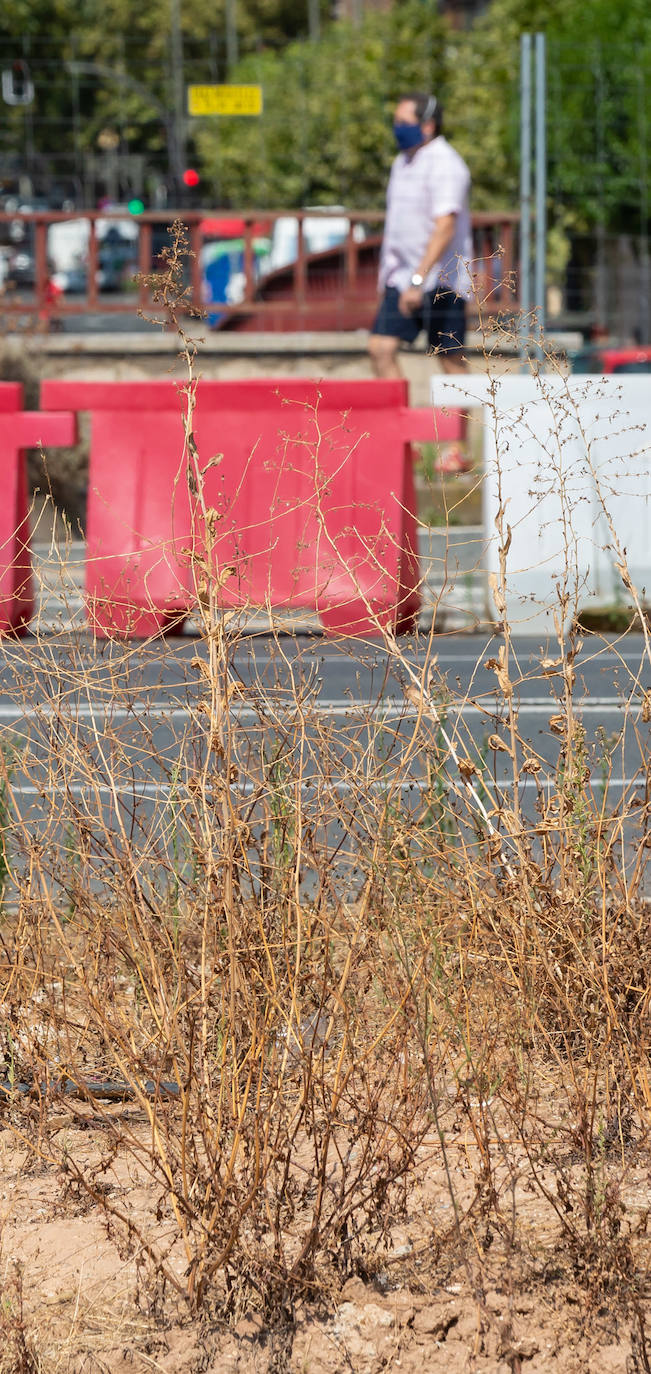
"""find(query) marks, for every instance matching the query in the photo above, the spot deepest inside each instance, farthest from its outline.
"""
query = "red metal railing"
(335, 288)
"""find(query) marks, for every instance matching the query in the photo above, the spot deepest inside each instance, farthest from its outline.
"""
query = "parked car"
(326, 226)
(21, 268)
(20, 236)
(221, 260)
(603, 358)
(117, 254)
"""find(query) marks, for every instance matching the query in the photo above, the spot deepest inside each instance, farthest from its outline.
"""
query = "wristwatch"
(417, 279)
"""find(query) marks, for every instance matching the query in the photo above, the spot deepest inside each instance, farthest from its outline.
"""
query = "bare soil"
(517, 1305)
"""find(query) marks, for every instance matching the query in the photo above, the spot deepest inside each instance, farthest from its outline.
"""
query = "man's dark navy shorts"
(442, 316)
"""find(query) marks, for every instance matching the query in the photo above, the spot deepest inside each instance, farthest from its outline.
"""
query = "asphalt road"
(115, 733)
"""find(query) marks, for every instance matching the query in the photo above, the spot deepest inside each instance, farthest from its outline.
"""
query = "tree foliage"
(123, 40)
(325, 136)
(598, 105)
(325, 133)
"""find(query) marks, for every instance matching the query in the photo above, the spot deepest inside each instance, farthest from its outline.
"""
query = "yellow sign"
(224, 100)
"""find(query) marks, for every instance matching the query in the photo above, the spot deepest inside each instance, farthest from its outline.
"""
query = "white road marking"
(337, 708)
(154, 790)
(336, 656)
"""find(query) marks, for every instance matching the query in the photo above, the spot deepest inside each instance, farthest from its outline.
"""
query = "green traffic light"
(135, 207)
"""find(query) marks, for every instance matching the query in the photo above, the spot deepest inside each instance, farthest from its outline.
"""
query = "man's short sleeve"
(449, 185)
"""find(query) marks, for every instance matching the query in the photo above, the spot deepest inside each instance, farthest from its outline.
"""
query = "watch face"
(417, 280)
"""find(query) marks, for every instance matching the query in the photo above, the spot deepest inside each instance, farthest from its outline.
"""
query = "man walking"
(427, 247)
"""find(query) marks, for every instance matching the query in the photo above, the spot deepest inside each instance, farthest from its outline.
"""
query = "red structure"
(634, 359)
(336, 289)
(286, 493)
(20, 429)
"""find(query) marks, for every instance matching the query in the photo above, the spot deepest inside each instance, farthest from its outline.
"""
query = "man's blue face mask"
(408, 136)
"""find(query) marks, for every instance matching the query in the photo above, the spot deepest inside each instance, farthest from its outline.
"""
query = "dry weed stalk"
(298, 945)
(16, 1352)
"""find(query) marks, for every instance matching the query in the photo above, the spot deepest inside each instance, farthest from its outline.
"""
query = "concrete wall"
(112, 356)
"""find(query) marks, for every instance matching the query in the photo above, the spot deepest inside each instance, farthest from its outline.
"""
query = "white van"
(324, 226)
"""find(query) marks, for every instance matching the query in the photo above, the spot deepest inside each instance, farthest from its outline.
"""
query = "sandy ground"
(500, 1310)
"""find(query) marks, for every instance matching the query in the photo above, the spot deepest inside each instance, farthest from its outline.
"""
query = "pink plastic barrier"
(19, 430)
(309, 488)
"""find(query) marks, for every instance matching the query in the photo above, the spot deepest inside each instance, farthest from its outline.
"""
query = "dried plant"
(302, 947)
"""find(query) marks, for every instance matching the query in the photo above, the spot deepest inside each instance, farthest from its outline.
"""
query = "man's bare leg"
(453, 362)
(383, 352)
(453, 458)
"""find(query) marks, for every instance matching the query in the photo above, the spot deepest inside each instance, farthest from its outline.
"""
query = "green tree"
(599, 88)
(125, 41)
(325, 134)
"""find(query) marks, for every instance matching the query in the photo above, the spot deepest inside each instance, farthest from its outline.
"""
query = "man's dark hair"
(427, 107)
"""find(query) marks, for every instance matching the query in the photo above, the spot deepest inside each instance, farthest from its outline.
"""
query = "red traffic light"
(190, 177)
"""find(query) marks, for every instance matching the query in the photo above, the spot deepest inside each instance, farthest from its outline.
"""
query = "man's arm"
(383, 271)
(441, 238)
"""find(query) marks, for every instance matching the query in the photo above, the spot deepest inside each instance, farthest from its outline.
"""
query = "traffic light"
(136, 206)
(191, 177)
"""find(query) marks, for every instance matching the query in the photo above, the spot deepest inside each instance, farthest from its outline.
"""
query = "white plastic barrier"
(569, 460)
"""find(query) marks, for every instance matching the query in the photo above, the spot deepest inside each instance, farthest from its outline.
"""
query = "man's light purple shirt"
(432, 183)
